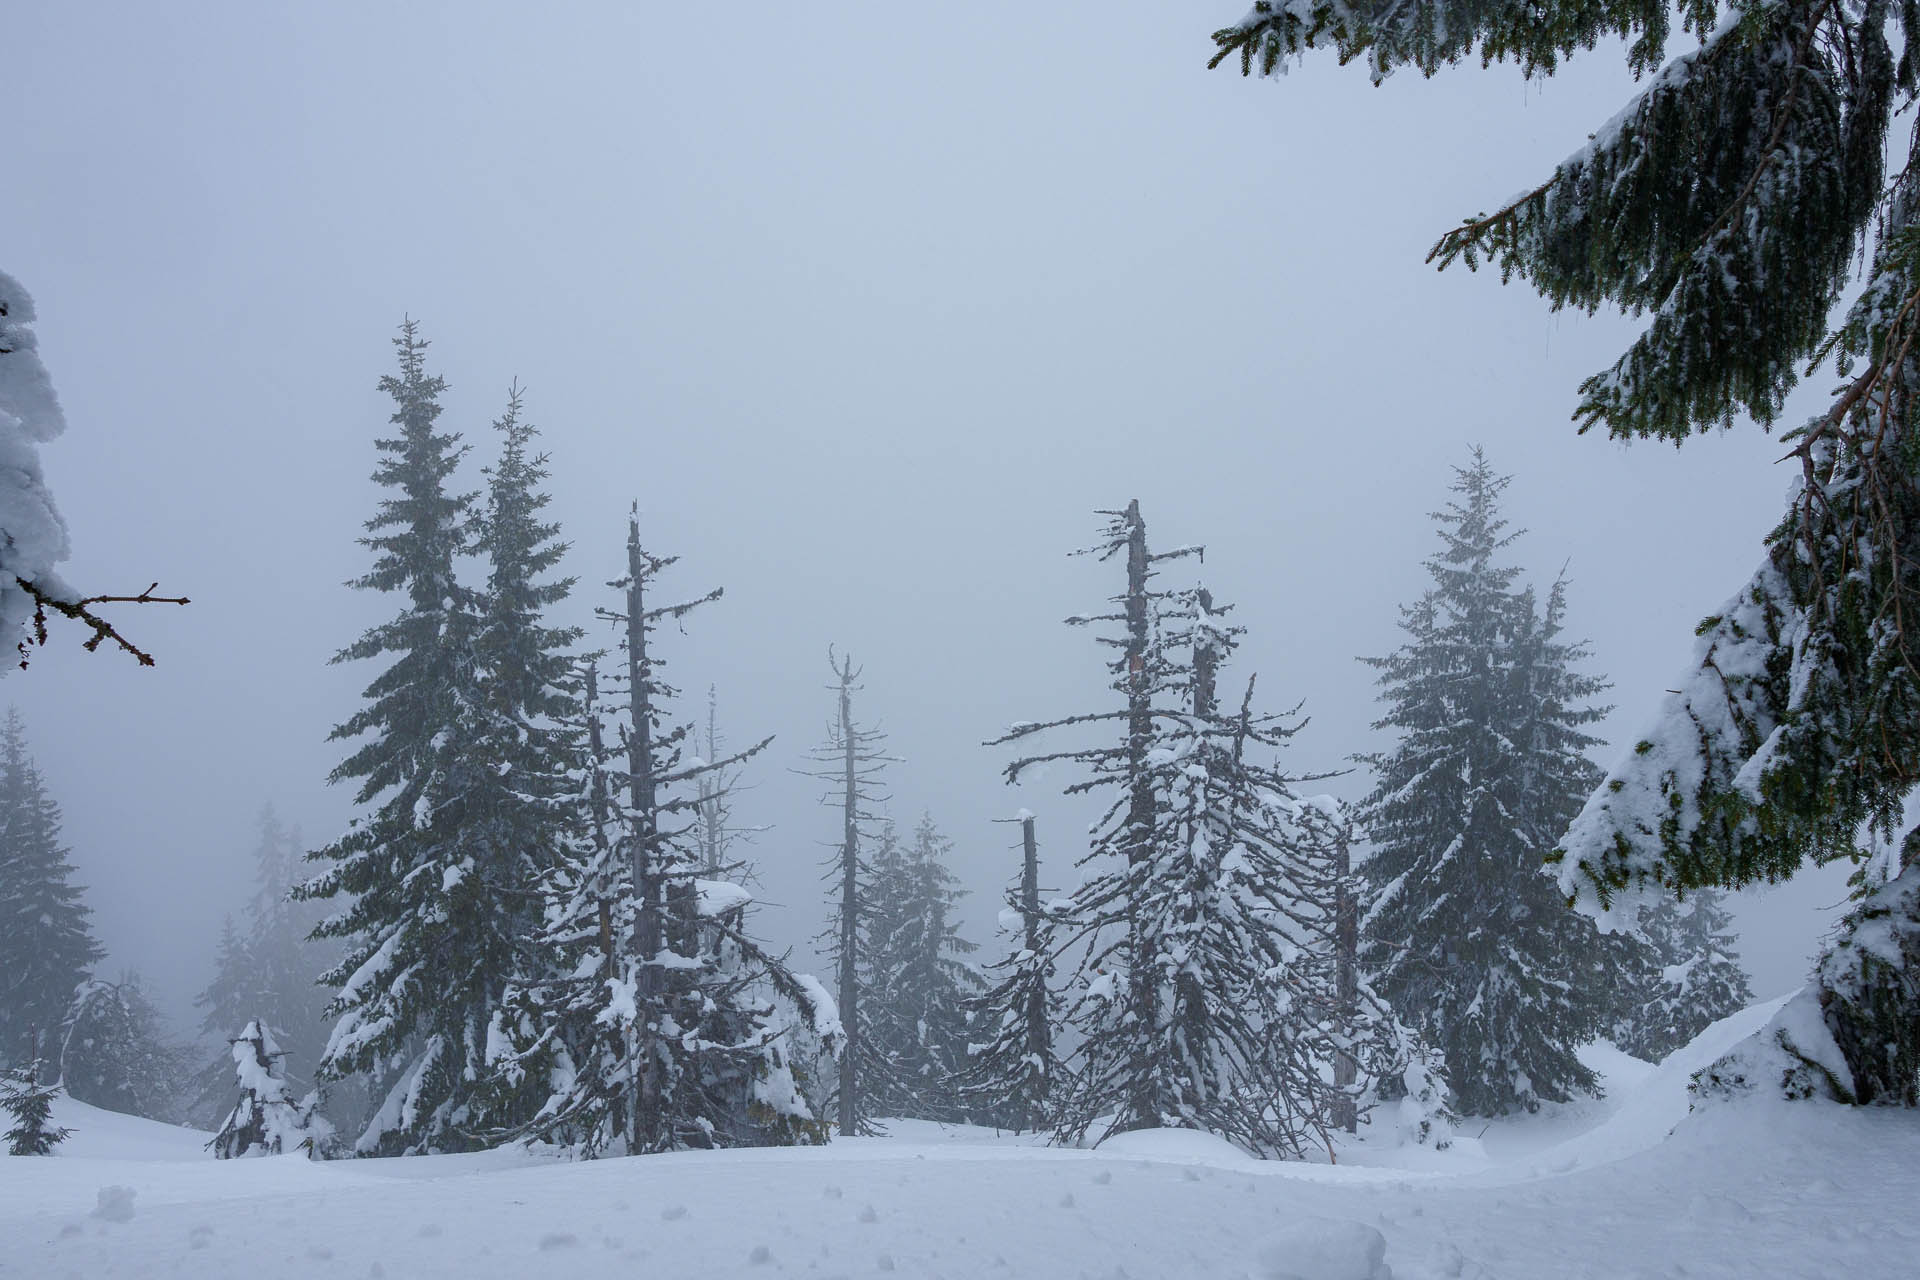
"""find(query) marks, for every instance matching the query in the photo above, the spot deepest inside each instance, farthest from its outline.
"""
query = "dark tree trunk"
(1039, 1033)
(1346, 941)
(1143, 1106)
(647, 888)
(850, 1118)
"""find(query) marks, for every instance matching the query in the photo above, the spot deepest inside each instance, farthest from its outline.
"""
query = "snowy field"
(1629, 1187)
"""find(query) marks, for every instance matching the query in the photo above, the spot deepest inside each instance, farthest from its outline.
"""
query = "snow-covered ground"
(1632, 1186)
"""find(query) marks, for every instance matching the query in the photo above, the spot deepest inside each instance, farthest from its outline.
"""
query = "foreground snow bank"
(1731, 1192)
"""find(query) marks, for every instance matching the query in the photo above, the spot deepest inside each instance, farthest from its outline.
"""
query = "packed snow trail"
(1750, 1190)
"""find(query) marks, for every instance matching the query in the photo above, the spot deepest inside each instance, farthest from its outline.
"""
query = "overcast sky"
(869, 306)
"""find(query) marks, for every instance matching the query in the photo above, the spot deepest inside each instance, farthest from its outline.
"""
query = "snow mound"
(1323, 1249)
(1646, 1111)
(1185, 1146)
(1793, 1055)
(102, 1134)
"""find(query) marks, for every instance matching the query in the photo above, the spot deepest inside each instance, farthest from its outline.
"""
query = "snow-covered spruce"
(851, 761)
(1772, 752)
(1731, 200)
(437, 890)
(1725, 200)
(1012, 1069)
(649, 1019)
(1191, 1001)
(29, 1102)
(1463, 930)
(47, 949)
(915, 980)
(266, 1120)
(267, 971)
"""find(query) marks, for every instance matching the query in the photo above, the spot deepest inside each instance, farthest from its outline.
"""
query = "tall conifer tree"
(1733, 200)
(1464, 931)
(268, 971)
(851, 761)
(1014, 1070)
(1191, 1000)
(526, 725)
(428, 950)
(46, 947)
(648, 1020)
(916, 978)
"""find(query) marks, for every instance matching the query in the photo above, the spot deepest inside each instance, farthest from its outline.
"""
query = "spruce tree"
(428, 950)
(525, 736)
(285, 961)
(46, 948)
(851, 761)
(1734, 200)
(1281, 1042)
(1463, 931)
(1116, 1000)
(1694, 978)
(225, 1000)
(1013, 1070)
(648, 1019)
(915, 979)
(269, 971)
(1187, 997)
(30, 1103)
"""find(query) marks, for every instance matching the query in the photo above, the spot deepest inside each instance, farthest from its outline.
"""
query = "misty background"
(869, 307)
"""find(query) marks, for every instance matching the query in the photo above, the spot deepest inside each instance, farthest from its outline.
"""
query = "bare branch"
(82, 611)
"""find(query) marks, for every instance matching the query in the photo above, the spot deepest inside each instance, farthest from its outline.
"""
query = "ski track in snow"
(1603, 1189)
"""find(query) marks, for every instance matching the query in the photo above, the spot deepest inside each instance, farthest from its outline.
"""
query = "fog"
(869, 307)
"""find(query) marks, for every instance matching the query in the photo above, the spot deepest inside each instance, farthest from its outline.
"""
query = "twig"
(82, 611)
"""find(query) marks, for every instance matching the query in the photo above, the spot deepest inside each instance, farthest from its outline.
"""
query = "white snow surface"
(1631, 1186)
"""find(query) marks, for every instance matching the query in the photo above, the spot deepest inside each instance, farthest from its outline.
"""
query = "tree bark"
(1143, 1102)
(850, 1118)
(1039, 1034)
(642, 795)
(1346, 940)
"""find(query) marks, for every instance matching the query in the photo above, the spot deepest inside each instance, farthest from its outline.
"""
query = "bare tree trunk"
(646, 880)
(1206, 662)
(1346, 940)
(1143, 1102)
(1039, 1034)
(597, 800)
(850, 1118)
(711, 804)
